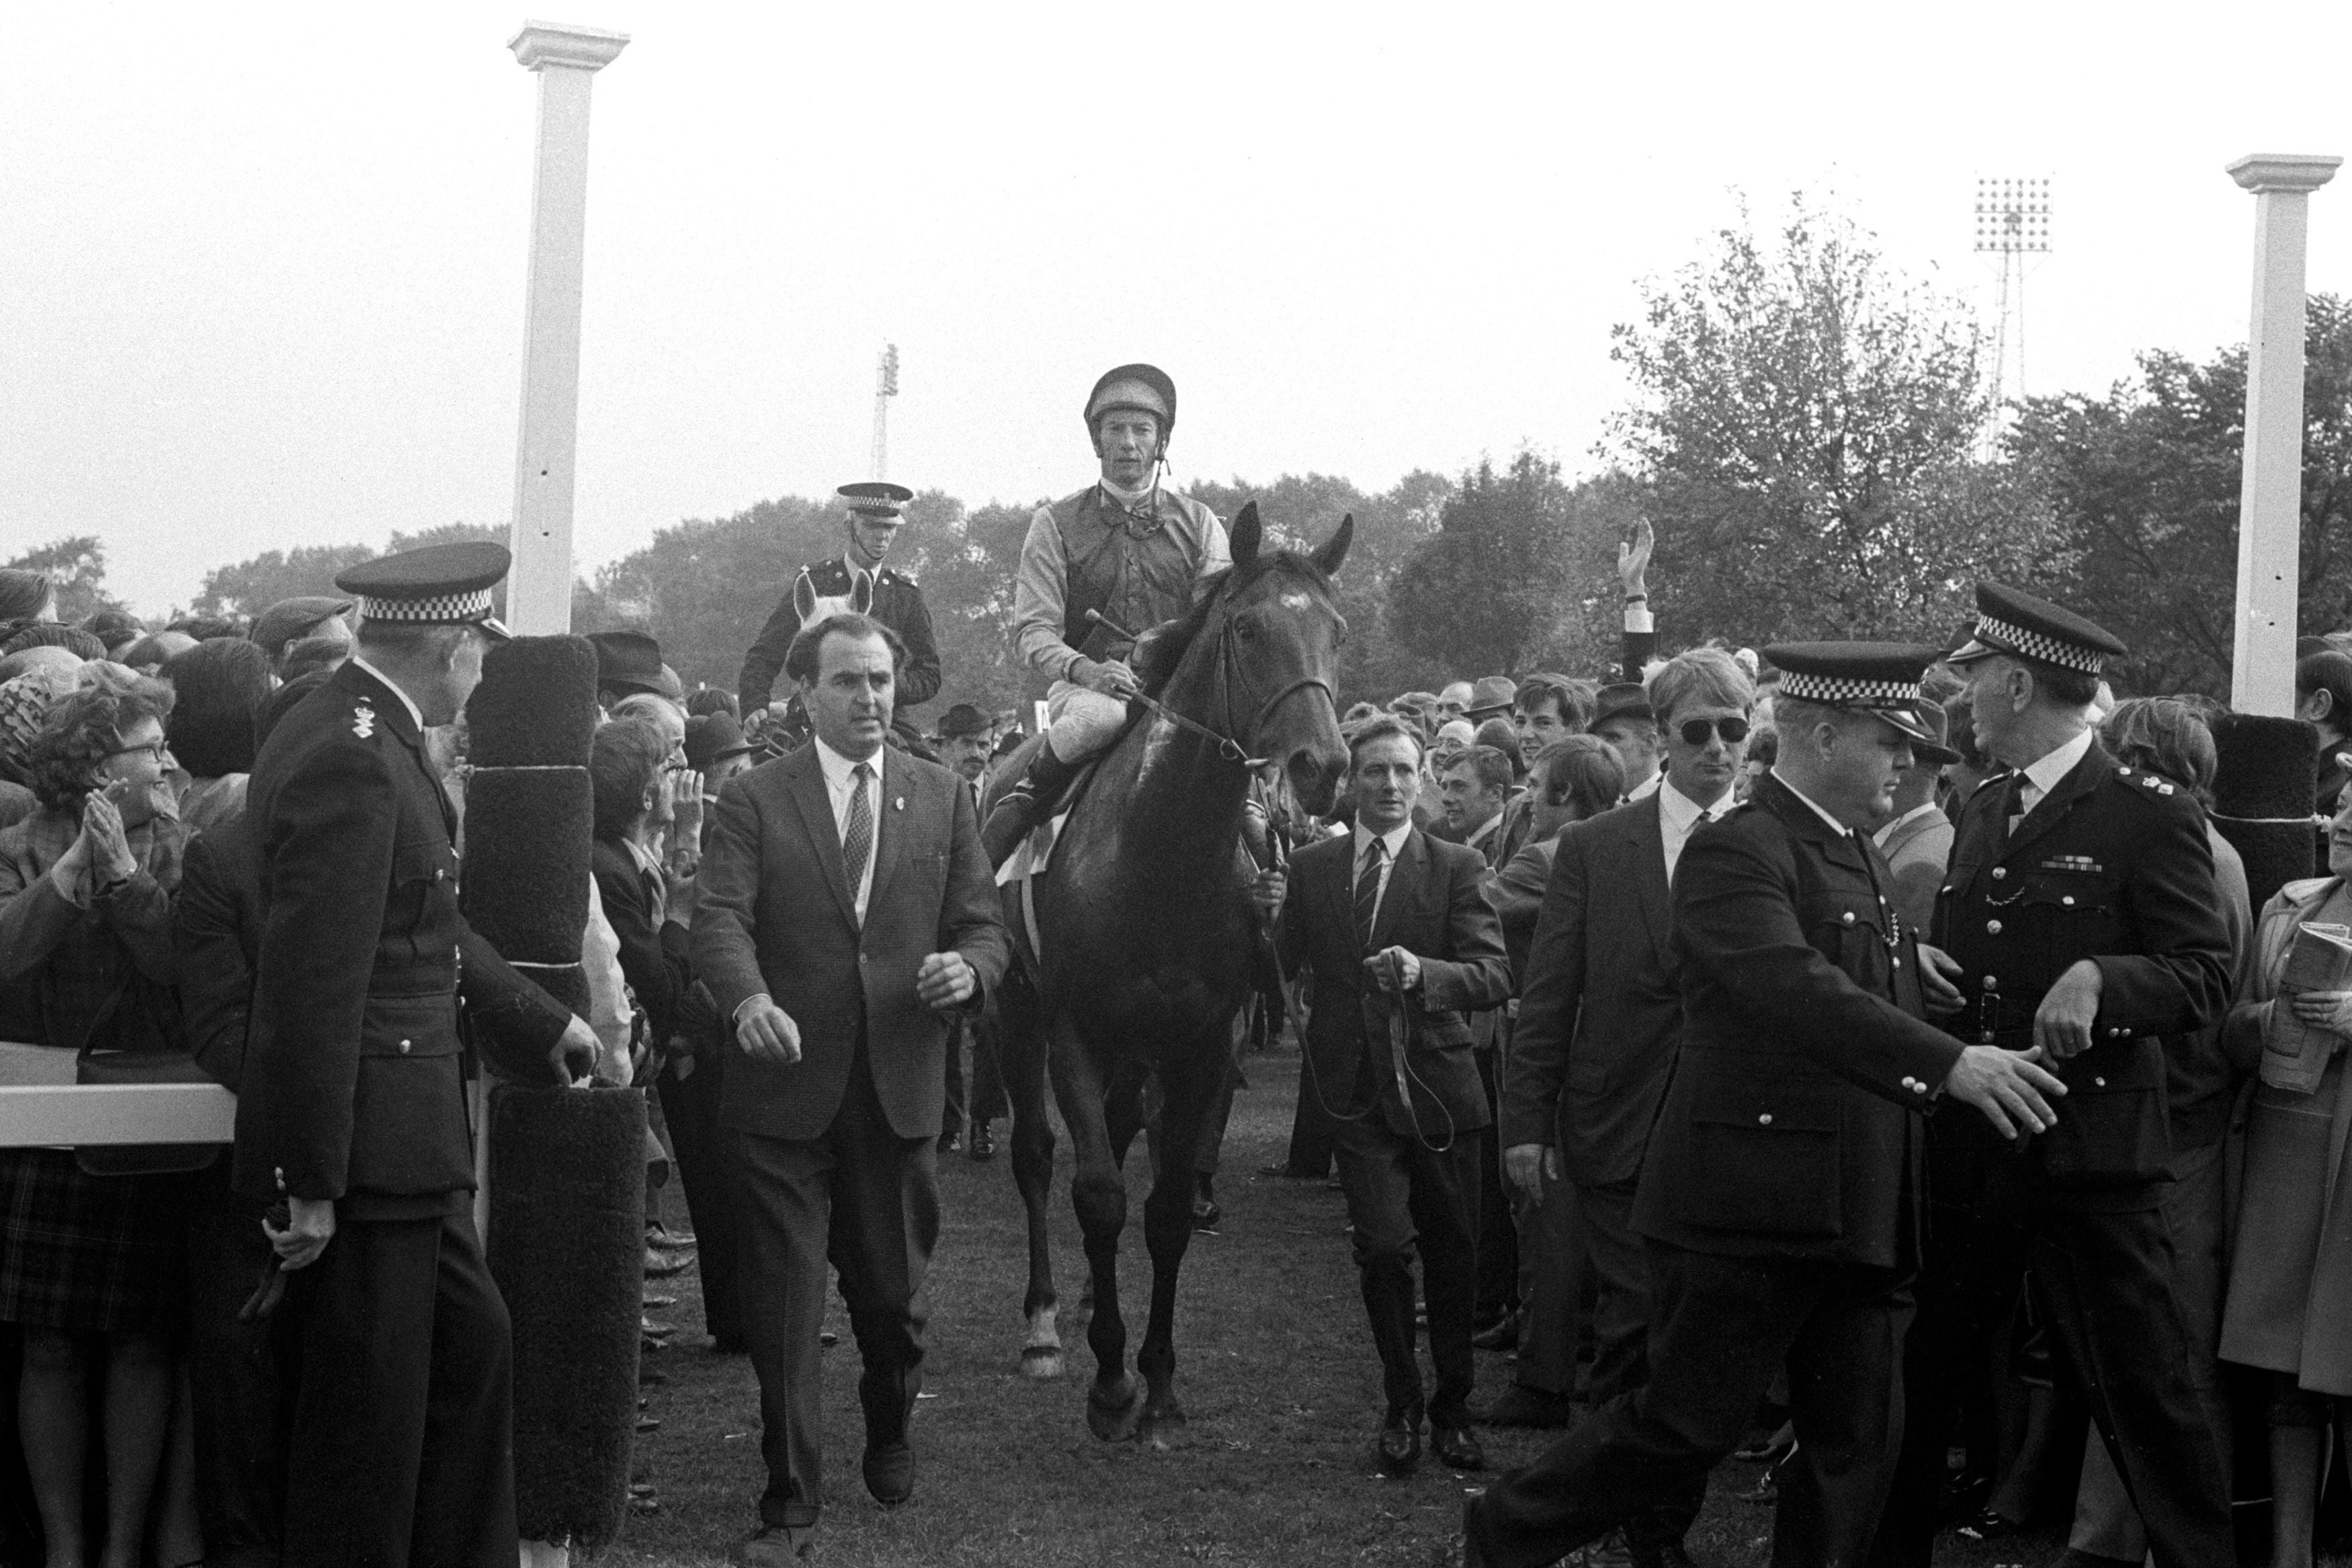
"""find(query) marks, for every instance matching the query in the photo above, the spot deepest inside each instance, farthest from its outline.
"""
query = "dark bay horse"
(1145, 937)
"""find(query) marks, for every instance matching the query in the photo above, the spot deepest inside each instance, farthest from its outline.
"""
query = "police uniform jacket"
(1790, 1128)
(898, 604)
(353, 1080)
(2111, 865)
(1439, 906)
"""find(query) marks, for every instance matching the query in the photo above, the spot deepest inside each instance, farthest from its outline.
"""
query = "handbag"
(118, 1049)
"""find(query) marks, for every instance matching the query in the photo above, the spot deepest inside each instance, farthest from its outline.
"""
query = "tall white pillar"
(2269, 491)
(538, 595)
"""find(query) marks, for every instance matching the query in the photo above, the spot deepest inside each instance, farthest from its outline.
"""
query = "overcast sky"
(263, 267)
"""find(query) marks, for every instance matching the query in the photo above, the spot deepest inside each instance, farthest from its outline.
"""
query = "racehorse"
(1144, 936)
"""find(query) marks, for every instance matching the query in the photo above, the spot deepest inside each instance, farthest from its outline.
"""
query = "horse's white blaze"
(1295, 600)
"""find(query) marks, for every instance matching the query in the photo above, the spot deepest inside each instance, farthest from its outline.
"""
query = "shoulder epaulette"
(2147, 781)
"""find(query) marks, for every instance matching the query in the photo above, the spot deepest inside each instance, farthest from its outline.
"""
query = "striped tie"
(1368, 891)
(859, 843)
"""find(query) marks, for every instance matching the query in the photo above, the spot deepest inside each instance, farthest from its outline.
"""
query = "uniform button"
(2098, 1082)
(1906, 1081)
(1849, 918)
(1993, 982)
(1918, 1089)
(2068, 901)
(403, 1047)
(1999, 872)
(1765, 1120)
(1992, 927)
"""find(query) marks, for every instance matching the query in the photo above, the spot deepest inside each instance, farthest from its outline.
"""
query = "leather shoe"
(1456, 1447)
(889, 1470)
(984, 1142)
(1519, 1406)
(661, 1265)
(1399, 1448)
(780, 1546)
(1502, 1334)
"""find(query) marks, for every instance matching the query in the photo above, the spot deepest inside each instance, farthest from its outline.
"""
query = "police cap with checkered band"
(2013, 622)
(440, 585)
(1881, 679)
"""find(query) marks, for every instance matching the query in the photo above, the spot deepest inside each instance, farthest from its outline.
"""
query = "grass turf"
(1274, 1367)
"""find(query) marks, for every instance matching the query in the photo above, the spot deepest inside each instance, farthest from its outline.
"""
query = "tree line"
(1809, 431)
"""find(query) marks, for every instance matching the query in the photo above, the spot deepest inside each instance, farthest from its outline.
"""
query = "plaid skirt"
(88, 1252)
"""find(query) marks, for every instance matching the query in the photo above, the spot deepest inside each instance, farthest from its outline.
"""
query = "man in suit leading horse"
(846, 908)
(1400, 934)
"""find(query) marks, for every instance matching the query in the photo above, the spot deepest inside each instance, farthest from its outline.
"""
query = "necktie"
(1368, 891)
(859, 843)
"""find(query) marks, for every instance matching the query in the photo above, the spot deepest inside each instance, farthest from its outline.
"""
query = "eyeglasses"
(159, 753)
(1697, 730)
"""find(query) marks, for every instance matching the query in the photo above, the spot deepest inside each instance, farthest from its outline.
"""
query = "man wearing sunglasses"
(1590, 1056)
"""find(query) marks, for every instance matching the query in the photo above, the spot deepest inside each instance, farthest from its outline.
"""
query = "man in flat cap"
(352, 1103)
(291, 621)
(1780, 1195)
(854, 580)
(1126, 548)
(2081, 910)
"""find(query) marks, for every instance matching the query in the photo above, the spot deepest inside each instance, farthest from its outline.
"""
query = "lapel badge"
(363, 721)
(899, 804)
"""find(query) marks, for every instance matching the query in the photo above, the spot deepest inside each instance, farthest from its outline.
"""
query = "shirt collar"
(1924, 808)
(1394, 838)
(2044, 772)
(838, 769)
(645, 858)
(1480, 833)
(1818, 810)
(1682, 813)
(849, 565)
(416, 716)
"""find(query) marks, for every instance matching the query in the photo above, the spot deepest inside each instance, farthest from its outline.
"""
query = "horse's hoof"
(1164, 1433)
(1113, 1421)
(1040, 1365)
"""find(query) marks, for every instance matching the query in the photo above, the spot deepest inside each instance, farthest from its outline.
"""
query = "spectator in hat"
(627, 663)
(49, 635)
(964, 734)
(1623, 717)
(313, 656)
(118, 629)
(1916, 840)
(153, 652)
(1491, 697)
(716, 750)
(291, 621)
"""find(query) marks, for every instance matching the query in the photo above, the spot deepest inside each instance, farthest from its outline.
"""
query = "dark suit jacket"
(1790, 1127)
(1601, 1006)
(353, 1084)
(898, 604)
(2113, 865)
(1440, 906)
(655, 959)
(777, 914)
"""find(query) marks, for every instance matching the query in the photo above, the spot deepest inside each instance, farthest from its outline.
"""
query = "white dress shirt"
(2042, 775)
(1394, 839)
(840, 779)
(1679, 817)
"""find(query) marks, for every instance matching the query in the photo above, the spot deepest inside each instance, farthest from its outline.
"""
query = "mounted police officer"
(854, 579)
(352, 1105)
(1127, 548)
(2080, 915)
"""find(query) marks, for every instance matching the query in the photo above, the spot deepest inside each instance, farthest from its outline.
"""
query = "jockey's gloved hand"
(1112, 678)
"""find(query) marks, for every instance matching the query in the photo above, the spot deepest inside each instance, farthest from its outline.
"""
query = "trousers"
(1081, 721)
(402, 1447)
(1403, 1198)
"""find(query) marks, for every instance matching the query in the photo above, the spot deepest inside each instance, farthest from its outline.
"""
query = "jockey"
(1124, 547)
(854, 579)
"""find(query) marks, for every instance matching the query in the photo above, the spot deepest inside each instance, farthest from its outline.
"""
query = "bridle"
(1227, 666)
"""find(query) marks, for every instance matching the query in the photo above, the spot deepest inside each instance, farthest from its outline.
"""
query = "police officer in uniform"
(1779, 1193)
(854, 580)
(352, 1107)
(2080, 915)
(1128, 547)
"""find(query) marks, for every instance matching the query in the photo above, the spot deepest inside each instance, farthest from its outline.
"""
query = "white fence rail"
(41, 1106)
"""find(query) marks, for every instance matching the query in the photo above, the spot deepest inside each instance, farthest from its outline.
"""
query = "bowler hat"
(963, 719)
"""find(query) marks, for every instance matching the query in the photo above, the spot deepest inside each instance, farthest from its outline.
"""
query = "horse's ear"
(1335, 548)
(1246, 534)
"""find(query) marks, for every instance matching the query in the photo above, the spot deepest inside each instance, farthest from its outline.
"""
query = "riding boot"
(1015, 815)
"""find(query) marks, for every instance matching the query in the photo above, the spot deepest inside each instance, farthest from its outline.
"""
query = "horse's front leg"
(1190, 1083)
(1020, 1050)
(1100, 1196)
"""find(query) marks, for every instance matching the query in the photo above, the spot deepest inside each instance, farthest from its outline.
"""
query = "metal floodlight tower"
(886, 387)
(2013, 224)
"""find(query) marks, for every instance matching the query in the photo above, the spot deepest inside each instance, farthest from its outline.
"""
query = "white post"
(538, 594)
(2270, 491)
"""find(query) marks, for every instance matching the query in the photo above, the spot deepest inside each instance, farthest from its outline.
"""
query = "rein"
(1227, 745)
